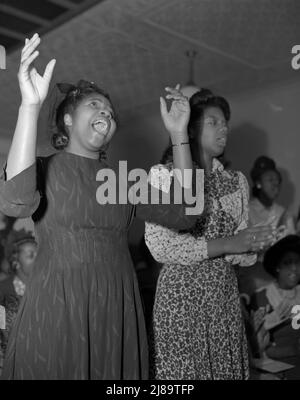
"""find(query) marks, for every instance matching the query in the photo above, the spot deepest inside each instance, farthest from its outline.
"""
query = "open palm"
(34, 87)
(177, 118)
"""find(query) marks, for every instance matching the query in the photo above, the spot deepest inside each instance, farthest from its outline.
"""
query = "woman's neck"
(79, 151)
(205, 161)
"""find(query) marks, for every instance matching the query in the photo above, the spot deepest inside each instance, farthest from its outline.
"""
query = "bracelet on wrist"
(180, 144)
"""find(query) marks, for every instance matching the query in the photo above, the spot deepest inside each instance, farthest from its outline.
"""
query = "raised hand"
(177, 118)
(34, 87)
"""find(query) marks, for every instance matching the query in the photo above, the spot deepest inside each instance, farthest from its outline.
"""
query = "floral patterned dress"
(198, 331)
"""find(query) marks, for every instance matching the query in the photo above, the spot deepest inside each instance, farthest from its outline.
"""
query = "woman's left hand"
(34, 87)
(177, 118)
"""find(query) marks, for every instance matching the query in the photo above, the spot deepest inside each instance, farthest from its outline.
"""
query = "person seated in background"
(271, 307)
(6, 225)
(20, 252)
(264, 209)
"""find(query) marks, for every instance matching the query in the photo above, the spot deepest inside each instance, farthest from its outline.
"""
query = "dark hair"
(74, 94)
(199, 102)
(261, 165)
(275, 253)
(12, 245)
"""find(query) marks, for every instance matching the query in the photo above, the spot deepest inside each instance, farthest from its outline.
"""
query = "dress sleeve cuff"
(19, 196)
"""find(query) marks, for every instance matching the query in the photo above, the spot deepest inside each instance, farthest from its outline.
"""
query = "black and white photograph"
(150, 193)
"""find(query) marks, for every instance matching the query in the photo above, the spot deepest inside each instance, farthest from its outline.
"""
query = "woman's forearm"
(182, 161)
(218, 247)
(22, 152)
(166, 246)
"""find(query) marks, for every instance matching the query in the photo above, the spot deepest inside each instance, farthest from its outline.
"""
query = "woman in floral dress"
(198, 331)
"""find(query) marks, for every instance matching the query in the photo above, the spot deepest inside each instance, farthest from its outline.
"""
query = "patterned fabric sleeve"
(244, 260)
(168, 246)
(173, 213)
(18, 196)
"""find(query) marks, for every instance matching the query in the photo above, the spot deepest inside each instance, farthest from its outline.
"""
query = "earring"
(67, 120)
(62, 140)
(258, 185)
(59, 140)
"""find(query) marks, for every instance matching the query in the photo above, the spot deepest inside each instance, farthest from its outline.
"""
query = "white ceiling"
(134, 48)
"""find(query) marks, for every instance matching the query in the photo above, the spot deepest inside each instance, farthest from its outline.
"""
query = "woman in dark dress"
(81, 316)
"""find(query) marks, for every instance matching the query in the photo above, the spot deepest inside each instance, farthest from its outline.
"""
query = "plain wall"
(267, 122)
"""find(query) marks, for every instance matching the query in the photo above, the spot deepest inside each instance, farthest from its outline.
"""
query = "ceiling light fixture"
(190, 87)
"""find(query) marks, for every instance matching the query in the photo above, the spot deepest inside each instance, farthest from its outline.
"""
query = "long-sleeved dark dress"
(81, 316)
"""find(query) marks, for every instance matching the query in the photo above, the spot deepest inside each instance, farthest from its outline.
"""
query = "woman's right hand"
(252, 239)
(177, 118)
(34, 87)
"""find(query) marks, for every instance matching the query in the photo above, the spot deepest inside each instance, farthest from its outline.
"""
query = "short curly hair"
(12, 245)
(274, 255)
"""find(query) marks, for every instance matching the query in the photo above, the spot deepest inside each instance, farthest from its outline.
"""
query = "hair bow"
(66, 88)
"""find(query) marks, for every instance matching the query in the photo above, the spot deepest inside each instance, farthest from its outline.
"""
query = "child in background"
(6, 226)
(20, 252)
(271, 306)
